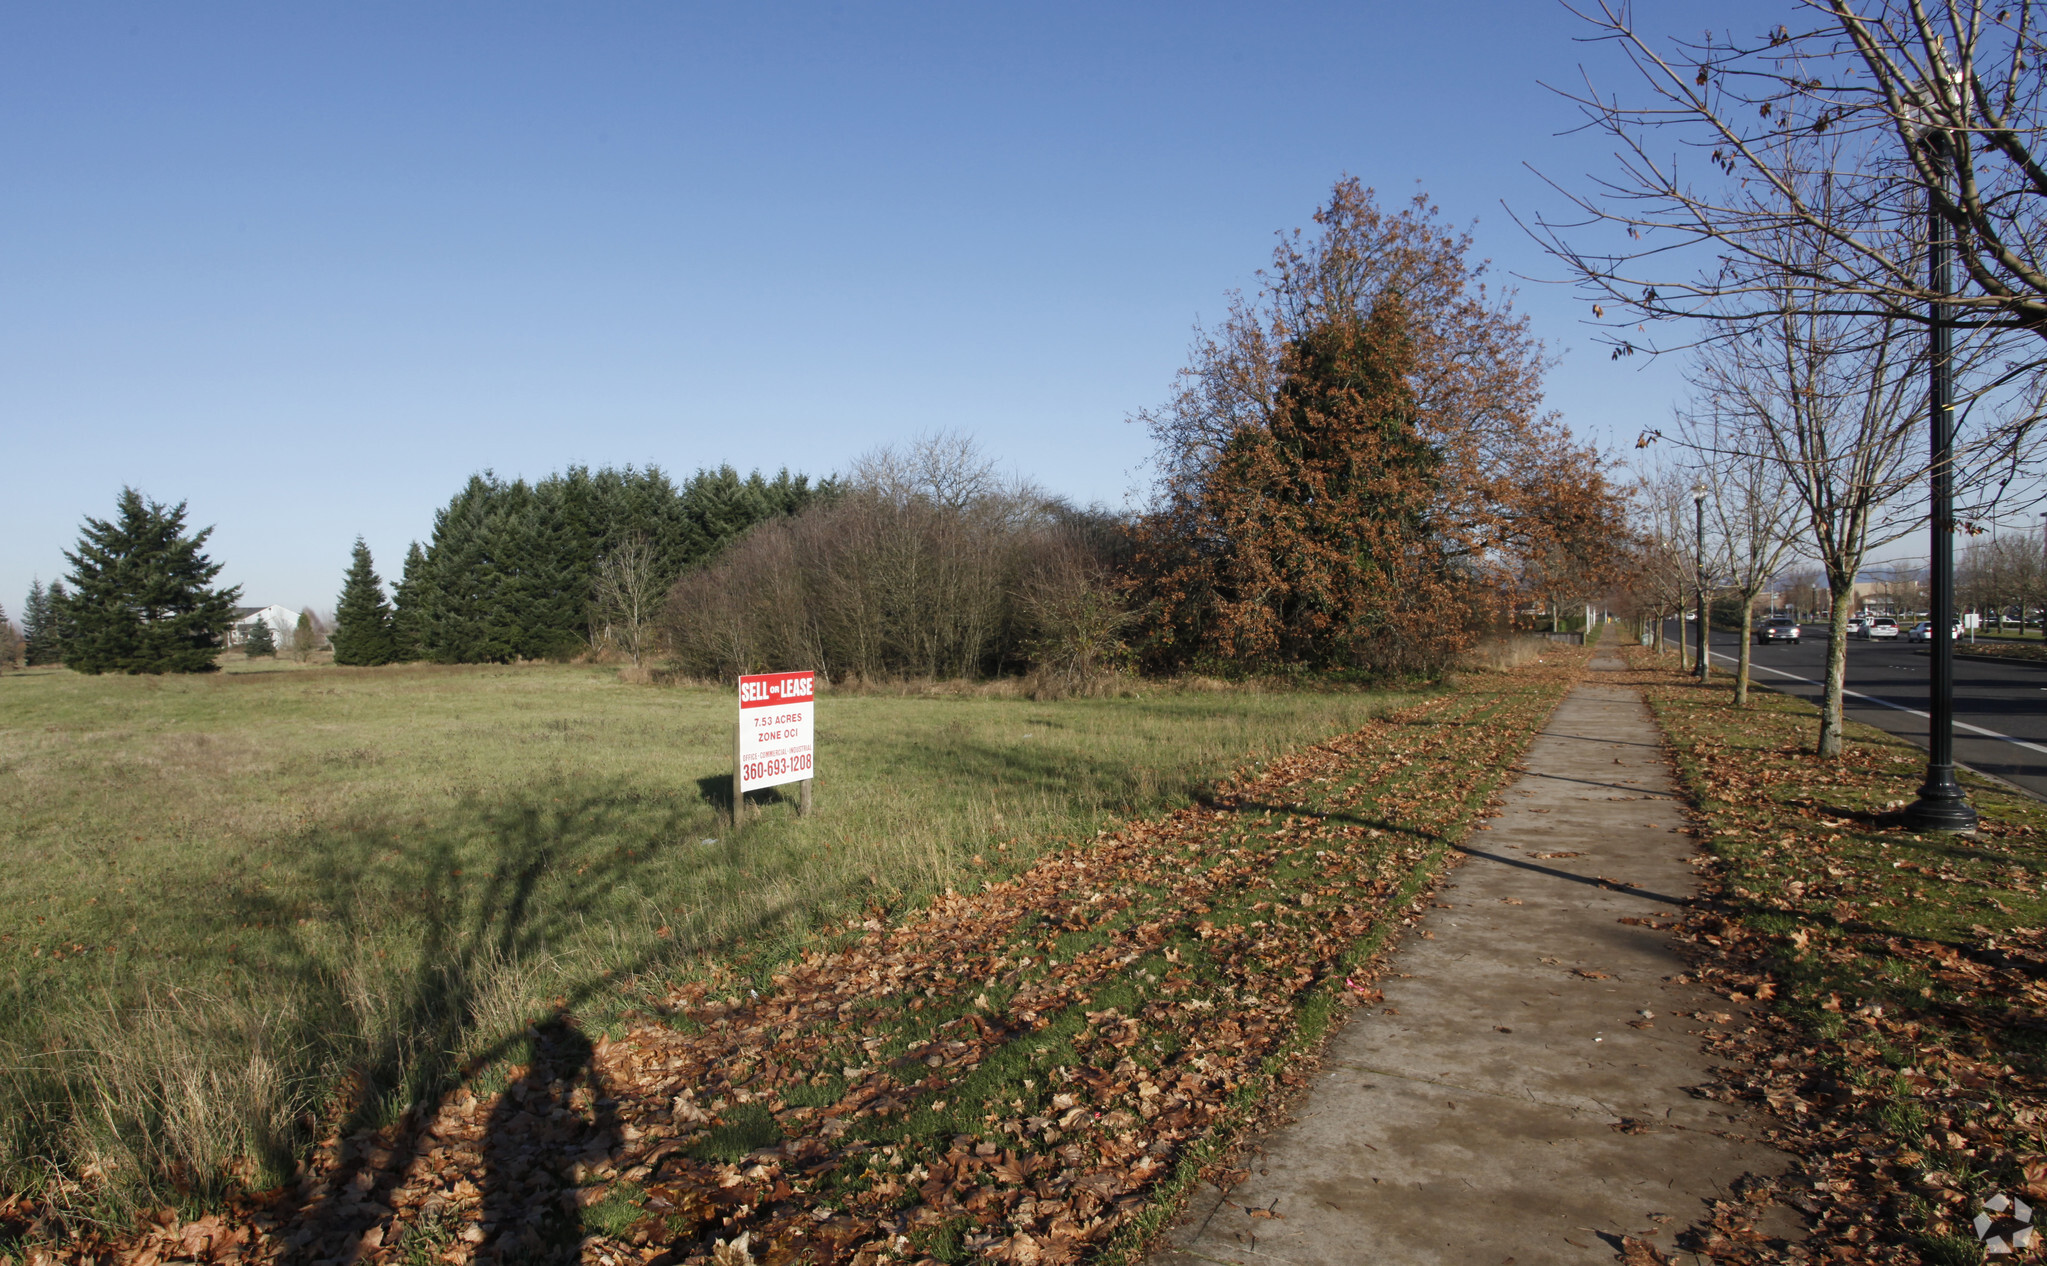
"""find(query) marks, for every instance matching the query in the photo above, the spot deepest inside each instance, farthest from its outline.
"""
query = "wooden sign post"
(773, 741)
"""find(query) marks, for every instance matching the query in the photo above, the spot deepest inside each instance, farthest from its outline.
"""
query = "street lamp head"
(1699, 491)
(1930, 108)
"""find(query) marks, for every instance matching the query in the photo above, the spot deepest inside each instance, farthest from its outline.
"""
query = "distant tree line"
(511, 570)
(1354, 475)
(2003, 574)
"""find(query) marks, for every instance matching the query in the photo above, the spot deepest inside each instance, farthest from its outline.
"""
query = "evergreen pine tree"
(37, 630)
(141, 600)
(452, 615)
(362, 621)
(262, 641)
(60, 623)
(515, 586)
(413, 598)
(510, 567)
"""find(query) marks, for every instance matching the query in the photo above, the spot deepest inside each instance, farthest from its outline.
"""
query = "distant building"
(282, 621)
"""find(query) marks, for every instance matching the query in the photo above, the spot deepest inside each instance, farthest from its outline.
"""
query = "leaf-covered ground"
(1892, 987)
(1031, 1073)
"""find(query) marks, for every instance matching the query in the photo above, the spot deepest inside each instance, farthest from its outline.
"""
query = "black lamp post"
(1942, 804)
(1699, 575)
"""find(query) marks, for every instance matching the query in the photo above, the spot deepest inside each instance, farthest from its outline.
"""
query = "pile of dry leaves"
(1029, 1074)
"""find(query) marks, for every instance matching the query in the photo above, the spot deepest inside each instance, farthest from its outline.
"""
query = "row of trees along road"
(1797, 273)
(2008, 572)
(513, 570)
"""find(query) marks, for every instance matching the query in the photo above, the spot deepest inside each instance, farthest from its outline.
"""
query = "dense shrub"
(924, 566)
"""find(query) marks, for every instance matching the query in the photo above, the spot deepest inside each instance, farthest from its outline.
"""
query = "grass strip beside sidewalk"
(1895, 984)
(2030, 651)
(1030, 1073)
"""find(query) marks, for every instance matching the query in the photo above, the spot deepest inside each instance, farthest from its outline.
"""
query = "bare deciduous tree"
(1751, 512)
(2003, 575)
(1831, 403)
(945, 468)
(1793, 173)
(1801, 587)
(626, 596)
(1663, 568)
(1071, 598)
(1850, 97)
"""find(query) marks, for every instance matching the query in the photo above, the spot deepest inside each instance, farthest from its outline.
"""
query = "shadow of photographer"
(482, 909)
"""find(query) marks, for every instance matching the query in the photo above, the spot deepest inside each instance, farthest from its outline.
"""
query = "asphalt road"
(2005, 703)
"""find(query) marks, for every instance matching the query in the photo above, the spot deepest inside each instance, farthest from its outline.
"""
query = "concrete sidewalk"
(1521, 1096)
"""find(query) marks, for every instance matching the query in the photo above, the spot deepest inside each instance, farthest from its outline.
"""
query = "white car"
(1923, 632)
(1882, 626)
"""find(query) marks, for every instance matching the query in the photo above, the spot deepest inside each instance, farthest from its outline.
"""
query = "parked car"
(1778, 628)
(1923, 632)
(1882, 626)
(1857, 623)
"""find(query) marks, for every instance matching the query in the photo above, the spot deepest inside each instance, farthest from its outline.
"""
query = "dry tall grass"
(1504, 653)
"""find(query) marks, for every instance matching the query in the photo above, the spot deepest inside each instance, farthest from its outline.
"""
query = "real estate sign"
(775, 728)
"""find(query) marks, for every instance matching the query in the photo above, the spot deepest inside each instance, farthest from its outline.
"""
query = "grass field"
(226, 893)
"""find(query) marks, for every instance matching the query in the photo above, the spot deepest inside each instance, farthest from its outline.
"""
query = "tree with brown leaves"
(1356, 461)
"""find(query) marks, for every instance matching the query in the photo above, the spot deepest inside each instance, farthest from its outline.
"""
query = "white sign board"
(775, 727)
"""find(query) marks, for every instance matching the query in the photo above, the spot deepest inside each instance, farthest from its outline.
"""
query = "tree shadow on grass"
(401, 964)
(715, 790)
(551, 863)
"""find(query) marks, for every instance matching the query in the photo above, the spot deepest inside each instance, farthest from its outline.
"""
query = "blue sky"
(309, 266)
